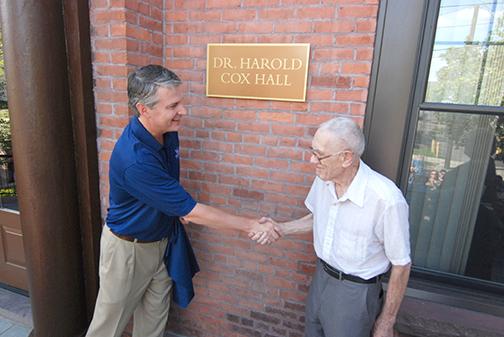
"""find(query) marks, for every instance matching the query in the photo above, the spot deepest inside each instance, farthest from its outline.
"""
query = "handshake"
(265, 231)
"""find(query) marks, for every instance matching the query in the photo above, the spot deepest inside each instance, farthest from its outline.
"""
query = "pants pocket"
(116, 269)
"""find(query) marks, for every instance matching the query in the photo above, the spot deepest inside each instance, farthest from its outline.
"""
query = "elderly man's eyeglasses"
(322, 157)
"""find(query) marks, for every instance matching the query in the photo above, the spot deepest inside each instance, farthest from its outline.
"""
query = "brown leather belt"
(132, 239)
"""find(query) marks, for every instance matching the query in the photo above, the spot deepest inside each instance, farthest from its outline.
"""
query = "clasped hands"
(265, 231)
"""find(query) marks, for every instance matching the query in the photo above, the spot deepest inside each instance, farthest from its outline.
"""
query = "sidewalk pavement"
(10, 328)
(15, 314)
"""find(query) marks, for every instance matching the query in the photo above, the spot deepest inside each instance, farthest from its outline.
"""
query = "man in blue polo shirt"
(146, 204)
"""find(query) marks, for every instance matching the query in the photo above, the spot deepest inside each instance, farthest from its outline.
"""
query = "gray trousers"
(337, 308)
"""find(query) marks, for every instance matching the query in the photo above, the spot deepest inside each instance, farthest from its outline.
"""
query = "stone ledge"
(419, 318)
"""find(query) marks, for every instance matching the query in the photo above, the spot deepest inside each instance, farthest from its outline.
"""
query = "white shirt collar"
(356, 190)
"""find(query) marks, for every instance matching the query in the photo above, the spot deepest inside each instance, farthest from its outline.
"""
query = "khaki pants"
(133, 280)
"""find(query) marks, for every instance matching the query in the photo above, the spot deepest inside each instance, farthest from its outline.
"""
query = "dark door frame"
(50, 93)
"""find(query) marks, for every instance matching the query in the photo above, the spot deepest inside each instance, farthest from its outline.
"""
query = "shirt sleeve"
(310, 200)
(396, 239)
(156, 188)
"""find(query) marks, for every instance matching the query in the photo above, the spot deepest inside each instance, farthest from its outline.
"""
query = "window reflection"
(467, 65)
(456, 194)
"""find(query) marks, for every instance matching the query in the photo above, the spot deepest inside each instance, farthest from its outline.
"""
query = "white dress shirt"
(364, 230)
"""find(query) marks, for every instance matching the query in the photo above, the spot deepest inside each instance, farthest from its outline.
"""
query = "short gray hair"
(144, 82)
(346, 130)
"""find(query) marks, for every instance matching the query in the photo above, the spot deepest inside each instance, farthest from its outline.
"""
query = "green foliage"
(8, 192)
(424, 151)
(5, 135)
(472, 74)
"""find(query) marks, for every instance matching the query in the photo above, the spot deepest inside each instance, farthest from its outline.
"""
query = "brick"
(189, 52)
(357, 11)
(264, 317)
(288, 177)
(356, 68)
(245, 331)
(354, 95)
(276, 14)
(254, 127)
(314, 39)
(286, 130)
(100, 57)
(223, 3)
(329, 107)
(205, 15)
(150, 23)
(240, 115)
(111, 70)
(320, 94)
(285, 153)
(355, 39)
(100, 30)
(366, 26)
(331, 81)
(217, 146)
(108, 16)
(117, 44)
(176, 15)
(248, 194)
(312, 119)
(276, 117)
(361, 82)
(260, 3)
(276, 38)
(333, 54)
(238, 14)
(293, 27)
(294, 306)
(251, 139)
(119, 57)
(250, 149)
(340, 26)
(301, 2)
(315, 13)
(237, 159)
(256, 27)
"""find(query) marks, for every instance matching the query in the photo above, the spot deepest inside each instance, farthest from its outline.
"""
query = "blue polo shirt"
(145, 194)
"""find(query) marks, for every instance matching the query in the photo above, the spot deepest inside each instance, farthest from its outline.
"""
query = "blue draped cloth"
(181, 265)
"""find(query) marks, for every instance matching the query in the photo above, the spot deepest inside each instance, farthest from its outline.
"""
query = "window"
(454, 165)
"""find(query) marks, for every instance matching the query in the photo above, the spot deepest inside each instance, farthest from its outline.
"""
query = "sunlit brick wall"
(124, 34)
(245, 156)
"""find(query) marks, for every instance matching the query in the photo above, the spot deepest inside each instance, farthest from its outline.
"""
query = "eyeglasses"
(320, 158)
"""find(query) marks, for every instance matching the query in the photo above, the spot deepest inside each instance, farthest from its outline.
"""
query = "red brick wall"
(245, 156)
(124, 34)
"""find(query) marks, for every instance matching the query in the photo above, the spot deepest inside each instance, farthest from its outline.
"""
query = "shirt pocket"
(351, 247)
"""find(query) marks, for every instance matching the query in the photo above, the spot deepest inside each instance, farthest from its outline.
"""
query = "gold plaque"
(258, 71)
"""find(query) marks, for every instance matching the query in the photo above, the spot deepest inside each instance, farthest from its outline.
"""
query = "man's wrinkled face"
(328, 155)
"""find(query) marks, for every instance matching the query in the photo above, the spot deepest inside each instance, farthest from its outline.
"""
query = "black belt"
(342, 276)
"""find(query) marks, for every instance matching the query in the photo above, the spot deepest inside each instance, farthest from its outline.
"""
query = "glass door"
(12, 256)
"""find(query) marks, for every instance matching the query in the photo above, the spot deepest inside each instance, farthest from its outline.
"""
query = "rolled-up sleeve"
(152, 185)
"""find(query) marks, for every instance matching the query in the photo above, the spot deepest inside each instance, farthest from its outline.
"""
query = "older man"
(146, 201)
(360, 227)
